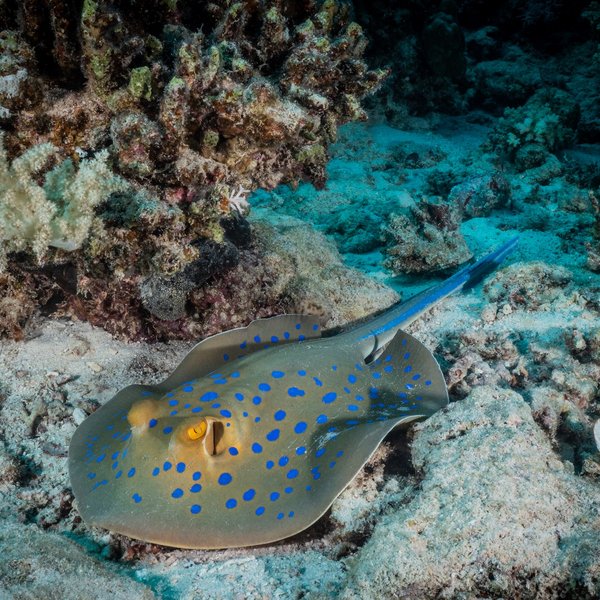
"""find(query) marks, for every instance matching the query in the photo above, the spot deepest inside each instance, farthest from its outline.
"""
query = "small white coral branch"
(239, 201)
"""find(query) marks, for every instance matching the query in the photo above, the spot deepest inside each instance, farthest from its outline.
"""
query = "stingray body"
(258, 430)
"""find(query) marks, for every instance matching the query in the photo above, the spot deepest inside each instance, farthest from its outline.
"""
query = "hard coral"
(186, 103)
(430, 242)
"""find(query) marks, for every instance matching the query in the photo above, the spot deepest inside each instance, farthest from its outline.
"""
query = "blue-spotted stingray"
(258, 429)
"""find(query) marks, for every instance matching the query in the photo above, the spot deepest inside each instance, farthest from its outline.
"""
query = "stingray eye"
(197, 431)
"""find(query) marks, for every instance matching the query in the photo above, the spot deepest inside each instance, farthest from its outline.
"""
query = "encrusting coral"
(154, 115)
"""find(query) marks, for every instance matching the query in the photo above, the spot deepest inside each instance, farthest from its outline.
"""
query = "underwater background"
(171, 169)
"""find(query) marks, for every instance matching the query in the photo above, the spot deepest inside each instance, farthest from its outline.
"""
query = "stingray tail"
(384, 327)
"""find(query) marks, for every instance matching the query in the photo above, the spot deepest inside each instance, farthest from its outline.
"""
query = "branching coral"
(545, 123)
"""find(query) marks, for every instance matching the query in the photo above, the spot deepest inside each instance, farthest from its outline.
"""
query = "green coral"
(60, 212)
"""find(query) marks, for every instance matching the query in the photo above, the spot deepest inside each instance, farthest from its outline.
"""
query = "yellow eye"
(197, 431)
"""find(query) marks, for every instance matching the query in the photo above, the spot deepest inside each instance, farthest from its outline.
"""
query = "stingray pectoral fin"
(407, 378)
(212, 353)
(404, 384)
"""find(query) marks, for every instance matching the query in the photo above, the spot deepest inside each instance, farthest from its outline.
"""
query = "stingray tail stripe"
(384, 326)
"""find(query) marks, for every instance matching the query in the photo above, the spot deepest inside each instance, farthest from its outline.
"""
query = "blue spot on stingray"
(329, 397)
(131, 472)
(101, 458)
(293, 392)
(320, 452)
(301, 337)
(248, 495)
(292, 474)
(347, 390)
(225, 357)
(231, 503)
(167, 430)
(226, 413)
(315, 327)
(136, 498)
(155, 471)
(118, 474)
(260, 510)
(188, 388)
(220, 381)
(235, 374)
(428, 382)
(352, 378)
(334, 367)
(376, 375)
(244, 414)
(407, 369)
(180, 467)
(291, 514)
(225, 479)
(257, 419)
(409, 386)
(277, 374)
(269, 464)
(197, 409)
(332, 464)
(318, 381)
(284, 460)
(256, 448)
(388, 368)
(233, 451)
(208, 396)
(239, 396)
(195, 488)
(286, 335)
(359, 398)
(273, 435)
(195, 509)
(186, 405)
(316, 476)
(298, 325)
(243, 344)
(91, 475)
(355, 422)
(264, 387)
(274, 339)
(302, 372)
(274, 496)
(352, 407)
(300, 427)
(167, 466)
(322, 419)
(173, 413)
(256, 400)
(416, 377)
(407, 356)
(177, 493)
(173, 402)
(279, 415)
(280, 516)
(300, 450)
(257, 339)
(340, 453)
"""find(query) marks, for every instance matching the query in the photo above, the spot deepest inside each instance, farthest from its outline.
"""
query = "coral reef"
(546, 123)
(186, 107)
